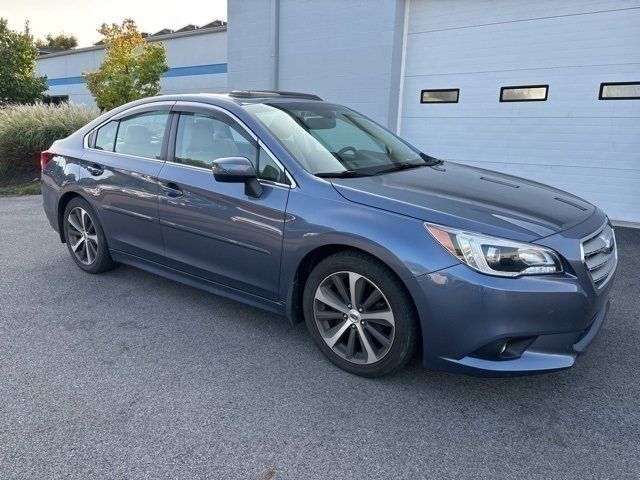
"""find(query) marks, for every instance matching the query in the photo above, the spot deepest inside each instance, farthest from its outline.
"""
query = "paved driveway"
(128, 375)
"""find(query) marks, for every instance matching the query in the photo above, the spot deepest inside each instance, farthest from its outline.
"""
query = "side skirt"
(199, 282)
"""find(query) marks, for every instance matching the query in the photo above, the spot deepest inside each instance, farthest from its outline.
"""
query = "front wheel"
(360, 314)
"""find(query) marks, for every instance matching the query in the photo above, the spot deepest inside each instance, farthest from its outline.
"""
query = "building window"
(620, 91)
(526, 93)
(55, 99)
(442, 95)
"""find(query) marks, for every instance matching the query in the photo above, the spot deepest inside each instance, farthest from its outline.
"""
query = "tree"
(131, 69)
(59, 42)
(18, 83)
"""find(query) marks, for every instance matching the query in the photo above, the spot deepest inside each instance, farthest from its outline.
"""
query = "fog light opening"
(504, 348)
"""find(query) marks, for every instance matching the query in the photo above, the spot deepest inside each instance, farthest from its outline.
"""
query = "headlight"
(496, 256)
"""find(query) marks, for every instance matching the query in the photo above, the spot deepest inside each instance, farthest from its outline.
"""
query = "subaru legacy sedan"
(313, 211)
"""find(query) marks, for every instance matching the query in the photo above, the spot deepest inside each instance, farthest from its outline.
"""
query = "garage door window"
(525, 93)
(620, 91)
(448, 95)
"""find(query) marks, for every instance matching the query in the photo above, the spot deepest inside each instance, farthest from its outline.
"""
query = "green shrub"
(26, 130)
(31, 188)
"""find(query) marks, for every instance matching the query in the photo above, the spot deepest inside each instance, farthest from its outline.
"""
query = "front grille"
(600, 255)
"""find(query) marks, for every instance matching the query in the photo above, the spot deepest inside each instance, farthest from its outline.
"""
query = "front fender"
(400, 242)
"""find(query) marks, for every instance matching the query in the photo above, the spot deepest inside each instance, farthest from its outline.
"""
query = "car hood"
(470, 198)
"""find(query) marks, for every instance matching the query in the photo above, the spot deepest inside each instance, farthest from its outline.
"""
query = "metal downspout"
(275, 43)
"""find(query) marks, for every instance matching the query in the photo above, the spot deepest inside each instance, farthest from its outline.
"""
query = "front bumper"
(467, 316)
(546, 354)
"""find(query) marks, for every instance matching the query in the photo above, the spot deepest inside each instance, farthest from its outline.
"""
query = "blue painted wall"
(173, 72)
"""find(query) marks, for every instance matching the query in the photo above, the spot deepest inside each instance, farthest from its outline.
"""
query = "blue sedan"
(313, 211)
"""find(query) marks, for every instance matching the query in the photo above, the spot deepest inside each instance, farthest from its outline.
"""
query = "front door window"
(201, 139)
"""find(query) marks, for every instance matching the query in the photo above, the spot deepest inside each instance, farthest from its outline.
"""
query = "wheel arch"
(294, 307)
(63, 201)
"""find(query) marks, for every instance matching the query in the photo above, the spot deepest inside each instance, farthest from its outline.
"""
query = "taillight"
(45, 157)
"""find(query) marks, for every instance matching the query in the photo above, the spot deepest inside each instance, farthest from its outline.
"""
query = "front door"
(214, 230)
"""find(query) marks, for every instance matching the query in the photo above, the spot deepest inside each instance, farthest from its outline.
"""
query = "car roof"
(239, 97)
(271, 94)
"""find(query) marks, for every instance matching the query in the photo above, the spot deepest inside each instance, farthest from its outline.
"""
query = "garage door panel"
(460, 14)
(573, 91)
(613, 38)
(576, 142)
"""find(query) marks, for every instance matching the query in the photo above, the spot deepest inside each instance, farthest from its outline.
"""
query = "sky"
(82, 18)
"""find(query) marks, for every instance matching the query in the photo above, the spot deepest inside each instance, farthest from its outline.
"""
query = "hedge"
(26, 130)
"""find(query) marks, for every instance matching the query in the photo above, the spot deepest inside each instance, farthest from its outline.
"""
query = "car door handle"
(172, 190)
(95, 169)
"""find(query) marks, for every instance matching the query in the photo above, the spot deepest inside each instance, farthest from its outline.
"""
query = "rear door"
(120, 172)
(212, 229)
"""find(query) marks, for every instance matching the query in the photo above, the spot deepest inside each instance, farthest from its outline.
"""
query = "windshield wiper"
(343, 174)
(402, 166)
(430, 161)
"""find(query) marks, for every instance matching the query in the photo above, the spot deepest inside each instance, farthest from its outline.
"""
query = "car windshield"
(330, 140)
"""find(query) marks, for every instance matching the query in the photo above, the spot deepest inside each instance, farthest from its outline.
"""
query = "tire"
(369, 339)
(85, 238)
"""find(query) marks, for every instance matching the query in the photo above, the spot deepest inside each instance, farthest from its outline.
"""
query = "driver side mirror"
(238, 170)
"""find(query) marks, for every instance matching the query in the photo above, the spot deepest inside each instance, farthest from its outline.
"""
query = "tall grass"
(26, 130)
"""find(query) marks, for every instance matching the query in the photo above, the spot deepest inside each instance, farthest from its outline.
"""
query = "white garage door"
(572, 140)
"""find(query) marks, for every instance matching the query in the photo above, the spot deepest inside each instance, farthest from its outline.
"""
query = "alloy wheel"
(354, 317)
(83, 238)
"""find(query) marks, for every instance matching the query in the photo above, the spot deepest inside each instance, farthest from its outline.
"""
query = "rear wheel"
(85, 239)
(360, 314)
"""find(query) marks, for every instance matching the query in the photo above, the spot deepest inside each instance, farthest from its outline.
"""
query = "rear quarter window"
(106, 137)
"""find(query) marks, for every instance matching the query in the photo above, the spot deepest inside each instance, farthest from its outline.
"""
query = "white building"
(197, 60)
(391, 59)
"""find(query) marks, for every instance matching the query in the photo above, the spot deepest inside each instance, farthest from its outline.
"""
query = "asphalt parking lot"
(129, 375)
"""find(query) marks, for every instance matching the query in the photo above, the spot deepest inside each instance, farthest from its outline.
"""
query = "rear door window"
(142, 135)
